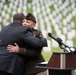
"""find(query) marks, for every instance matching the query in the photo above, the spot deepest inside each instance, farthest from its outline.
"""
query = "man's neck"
(18, 22)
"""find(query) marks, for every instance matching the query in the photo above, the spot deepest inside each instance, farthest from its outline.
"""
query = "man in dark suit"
(32, 56)
(12, 63)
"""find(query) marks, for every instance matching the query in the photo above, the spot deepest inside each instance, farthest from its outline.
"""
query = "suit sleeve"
(34, 41)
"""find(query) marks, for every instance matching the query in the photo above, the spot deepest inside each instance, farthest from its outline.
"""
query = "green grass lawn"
(47, 55)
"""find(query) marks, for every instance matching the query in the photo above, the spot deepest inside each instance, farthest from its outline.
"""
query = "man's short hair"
(18, 17)
(31, 17)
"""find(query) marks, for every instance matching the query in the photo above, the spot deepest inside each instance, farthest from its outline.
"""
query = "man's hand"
(12, 48)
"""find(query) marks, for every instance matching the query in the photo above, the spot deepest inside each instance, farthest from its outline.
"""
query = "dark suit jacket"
(16, 33)
(32, 57)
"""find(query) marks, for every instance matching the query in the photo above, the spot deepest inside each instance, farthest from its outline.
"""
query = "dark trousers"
(4, 73)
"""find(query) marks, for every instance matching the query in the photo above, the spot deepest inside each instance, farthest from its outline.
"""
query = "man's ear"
(34, 24)
(23, 20)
